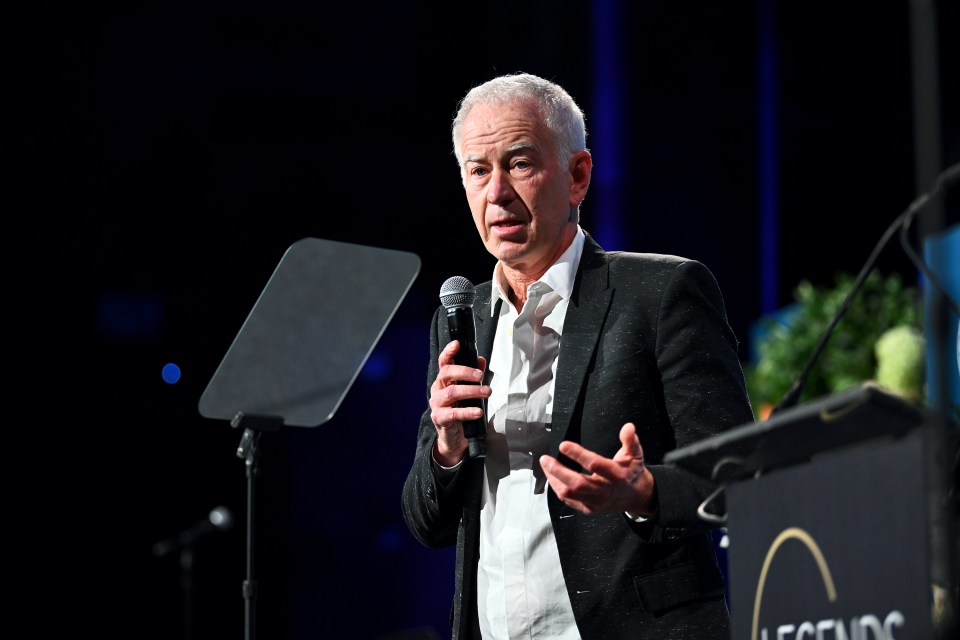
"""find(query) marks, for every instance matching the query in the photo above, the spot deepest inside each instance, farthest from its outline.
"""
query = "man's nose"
(500, 189)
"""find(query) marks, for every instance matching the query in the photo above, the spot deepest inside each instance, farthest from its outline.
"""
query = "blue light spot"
(389, 539)
(129, 316)
(171, 373)
(376, 368)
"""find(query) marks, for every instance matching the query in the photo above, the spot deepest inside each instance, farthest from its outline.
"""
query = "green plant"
(848, 358)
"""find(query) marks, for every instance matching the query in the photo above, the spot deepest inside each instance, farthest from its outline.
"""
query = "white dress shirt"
(521, 592)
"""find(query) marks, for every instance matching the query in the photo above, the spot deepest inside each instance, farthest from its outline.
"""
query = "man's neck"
(517, 280)
(517, 284)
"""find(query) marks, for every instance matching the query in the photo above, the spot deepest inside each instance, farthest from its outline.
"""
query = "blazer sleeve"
(431, 508)
(703, 387)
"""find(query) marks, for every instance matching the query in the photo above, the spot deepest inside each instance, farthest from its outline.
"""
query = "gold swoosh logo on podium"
(806, 539)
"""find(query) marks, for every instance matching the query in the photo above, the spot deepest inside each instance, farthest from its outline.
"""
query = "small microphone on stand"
(457, 295)
(219, 519)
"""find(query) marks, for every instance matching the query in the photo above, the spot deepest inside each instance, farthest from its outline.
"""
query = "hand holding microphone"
(457, 295)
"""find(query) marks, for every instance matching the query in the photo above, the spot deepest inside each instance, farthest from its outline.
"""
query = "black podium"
(838, 517)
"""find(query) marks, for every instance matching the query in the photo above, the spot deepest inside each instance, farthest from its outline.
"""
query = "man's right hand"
(445, 393)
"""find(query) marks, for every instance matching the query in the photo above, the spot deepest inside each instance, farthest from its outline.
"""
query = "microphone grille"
(457, 292)
(221, 518)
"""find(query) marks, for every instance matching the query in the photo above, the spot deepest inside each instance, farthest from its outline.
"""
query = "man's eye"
(478, 171)
(521, 164)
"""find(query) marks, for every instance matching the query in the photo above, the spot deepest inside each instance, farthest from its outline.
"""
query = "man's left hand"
(622, 483)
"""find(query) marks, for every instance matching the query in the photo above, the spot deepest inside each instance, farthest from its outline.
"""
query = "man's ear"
(581, 166)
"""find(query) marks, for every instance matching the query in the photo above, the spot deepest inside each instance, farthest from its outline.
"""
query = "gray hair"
(560, 112)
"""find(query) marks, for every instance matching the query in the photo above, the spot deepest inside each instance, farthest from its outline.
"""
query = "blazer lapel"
(581, 330)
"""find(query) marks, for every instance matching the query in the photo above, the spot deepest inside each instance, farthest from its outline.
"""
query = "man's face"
(521, 199)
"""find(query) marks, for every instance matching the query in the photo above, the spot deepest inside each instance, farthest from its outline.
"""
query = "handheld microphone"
(457, 295)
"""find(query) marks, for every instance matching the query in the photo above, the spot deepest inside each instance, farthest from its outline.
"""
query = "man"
(592, 366)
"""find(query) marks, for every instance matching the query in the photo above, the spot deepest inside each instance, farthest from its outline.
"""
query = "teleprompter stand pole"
(248, 450)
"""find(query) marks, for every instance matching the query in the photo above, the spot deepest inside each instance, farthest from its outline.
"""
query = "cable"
(945, 179)
(902, 223)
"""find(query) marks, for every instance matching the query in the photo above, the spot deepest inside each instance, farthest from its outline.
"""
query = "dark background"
(163, 155)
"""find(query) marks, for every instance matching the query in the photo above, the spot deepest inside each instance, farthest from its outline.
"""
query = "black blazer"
(645, 340)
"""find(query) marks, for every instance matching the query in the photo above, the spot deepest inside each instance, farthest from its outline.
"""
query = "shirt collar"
(559, 277)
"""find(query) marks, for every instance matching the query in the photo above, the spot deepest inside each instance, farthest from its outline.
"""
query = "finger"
(445, 414)
(561, 474)
(576, 504)
(465, 414)
(590, 461)
(630, 441)
(446, 356)
(454, 393)
(448, 353)
(450, 374)
(453, 417)
(555, 474)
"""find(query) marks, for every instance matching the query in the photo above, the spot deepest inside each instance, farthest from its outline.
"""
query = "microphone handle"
(462, 329)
